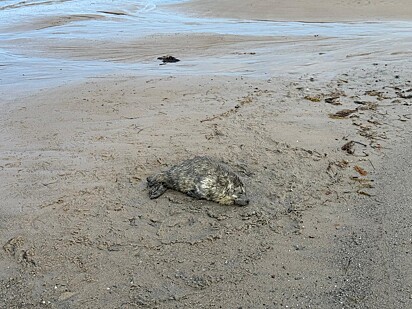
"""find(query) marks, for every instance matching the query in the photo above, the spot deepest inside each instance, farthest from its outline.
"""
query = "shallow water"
(25, 25)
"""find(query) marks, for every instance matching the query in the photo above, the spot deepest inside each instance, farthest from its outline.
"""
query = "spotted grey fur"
(200, 178)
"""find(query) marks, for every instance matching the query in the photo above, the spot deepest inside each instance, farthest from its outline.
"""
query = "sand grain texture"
(89, 234)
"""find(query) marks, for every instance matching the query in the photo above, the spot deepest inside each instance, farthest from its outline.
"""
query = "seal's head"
(233, 192)
(241, 200)
(239, 193)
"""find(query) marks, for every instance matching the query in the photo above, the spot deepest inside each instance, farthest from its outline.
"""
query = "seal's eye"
(239, 191)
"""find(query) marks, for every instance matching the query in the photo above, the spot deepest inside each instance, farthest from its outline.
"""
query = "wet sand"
(325, 227)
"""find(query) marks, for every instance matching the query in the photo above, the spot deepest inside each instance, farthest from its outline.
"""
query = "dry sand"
(325, 228)
(303, 10)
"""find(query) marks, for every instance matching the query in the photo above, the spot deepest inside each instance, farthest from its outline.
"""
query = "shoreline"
(70, 46)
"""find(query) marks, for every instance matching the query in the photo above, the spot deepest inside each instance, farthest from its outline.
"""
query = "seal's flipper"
(156, 190)
(194, 194)
(151, 180)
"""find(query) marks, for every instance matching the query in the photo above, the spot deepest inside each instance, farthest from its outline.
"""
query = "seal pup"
(200, 178)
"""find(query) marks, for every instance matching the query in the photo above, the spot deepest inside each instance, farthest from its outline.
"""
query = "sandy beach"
(301, 10)
(314, 118)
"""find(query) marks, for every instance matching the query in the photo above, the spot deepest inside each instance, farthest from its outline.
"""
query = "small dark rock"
(333, 101)
(168, 59)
